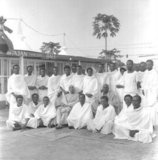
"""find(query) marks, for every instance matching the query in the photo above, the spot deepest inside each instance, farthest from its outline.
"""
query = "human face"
(136, 102)
(122, 71)
(45, 101)
(42, 72)
(105, 89)
(72, 89)
(128, 101)
(16, 69)
(90, 72)
(79, 70)
(82, 99)
(19, 101)
(67, 71)
(100, 68)
(129, 65)
(149, 65)
(55, 71)
(112, 67)
(35, 98)
(30, 70)
(104, 102)
(73, 68)
(142, 67)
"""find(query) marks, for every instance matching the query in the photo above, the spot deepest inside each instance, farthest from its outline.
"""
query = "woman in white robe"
(44, 116)
(104, 118)
(80, 114)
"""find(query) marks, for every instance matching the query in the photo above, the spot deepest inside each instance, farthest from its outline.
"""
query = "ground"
(69, 144)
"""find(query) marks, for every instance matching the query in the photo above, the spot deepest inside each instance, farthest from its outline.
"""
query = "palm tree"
(105, 25)
(51, 48)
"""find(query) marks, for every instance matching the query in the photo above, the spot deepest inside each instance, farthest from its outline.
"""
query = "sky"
(137, 35)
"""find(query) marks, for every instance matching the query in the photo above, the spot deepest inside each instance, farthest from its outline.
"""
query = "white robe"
(130, 83)
(150, 87)
(120, 91)
(31, 81)
(91, 86)
(77, 82)
(79, 115)
(32, 107)
(17, 114)
(66, 81)
(53, 87)
(135, 119)
(44, 113)
(42, 81)
(103, 120)
(17, 85)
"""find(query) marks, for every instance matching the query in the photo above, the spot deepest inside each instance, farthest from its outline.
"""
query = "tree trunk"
(106, 57)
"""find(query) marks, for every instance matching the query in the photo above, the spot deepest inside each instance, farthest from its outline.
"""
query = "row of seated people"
(134, 121)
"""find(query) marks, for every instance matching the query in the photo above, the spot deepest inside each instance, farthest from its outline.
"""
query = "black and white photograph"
(78, 80)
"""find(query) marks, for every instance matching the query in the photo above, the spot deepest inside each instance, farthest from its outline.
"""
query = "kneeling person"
(80, 114)
(18, 115)
(44, 116)
(104, 117)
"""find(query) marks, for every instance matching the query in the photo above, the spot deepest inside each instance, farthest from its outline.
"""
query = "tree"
(105, 25)
(51, 48)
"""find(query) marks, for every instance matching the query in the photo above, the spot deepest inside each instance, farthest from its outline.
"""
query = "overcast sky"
(74, 17)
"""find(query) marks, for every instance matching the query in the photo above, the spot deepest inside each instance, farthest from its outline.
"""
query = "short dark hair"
(128, 95)
(19, 96)
(16, 65)
(34, 95)
(130, 61)
(149, 60)
(89, 68)
(139, 97)
(68, 67)
(29, 66)
(105, 97)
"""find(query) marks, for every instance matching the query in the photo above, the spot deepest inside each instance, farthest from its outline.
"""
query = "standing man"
(54, 85)
(78, 79)
(66, 80)
(16, 86)
(130, 80)
(42, 82)
(30, 79)
(150, 84)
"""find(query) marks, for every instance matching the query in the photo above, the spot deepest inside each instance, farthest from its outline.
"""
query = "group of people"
(122, 101)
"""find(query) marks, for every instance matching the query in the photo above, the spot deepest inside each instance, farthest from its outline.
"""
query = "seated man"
(64, 104)
(34, 104)
(104, 117)
(44, 115)
(18, 115)
(80, 114)
(137, 126)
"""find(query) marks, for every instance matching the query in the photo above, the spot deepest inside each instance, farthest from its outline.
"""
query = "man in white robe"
(66, 80)
(18, 115)
(130, 80)
(33, 105)
(104, 118)
(150, 85)
(137, 126)
(90, 86)
(54, 85)
(77, 80)
(73, 69)
(30, 79)
(101, 76)
(80, 114)
(44, 116)
(42, 83)
(16, 86)
(64, 104)
(140, 76)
